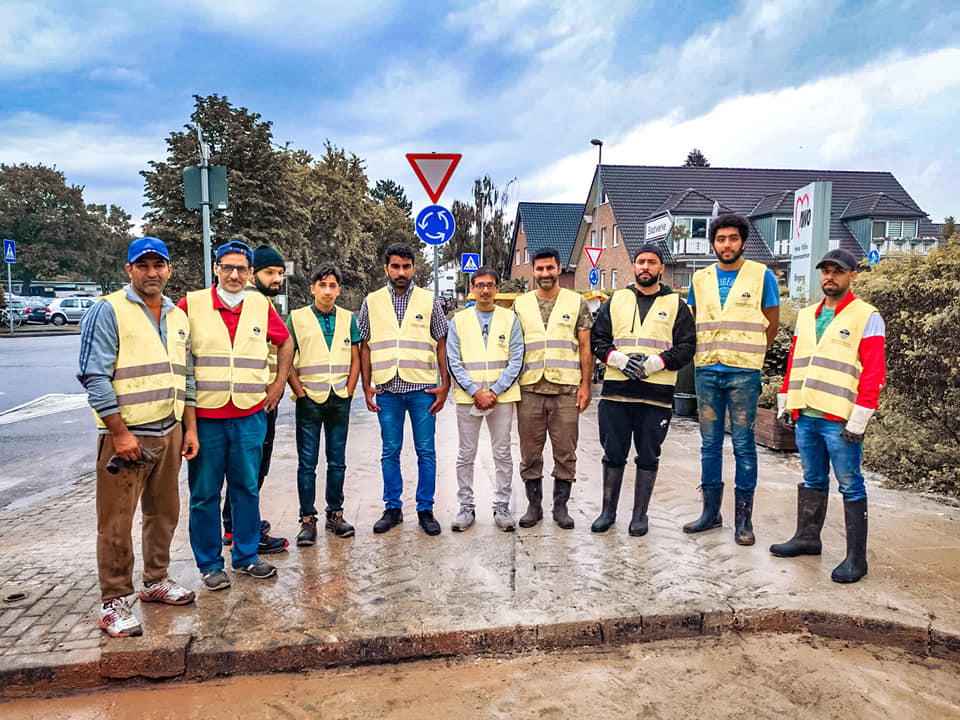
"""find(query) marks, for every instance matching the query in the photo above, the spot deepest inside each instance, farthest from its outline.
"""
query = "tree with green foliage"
(949, 228)
(389, 190)
(914, 438)
(695, 158)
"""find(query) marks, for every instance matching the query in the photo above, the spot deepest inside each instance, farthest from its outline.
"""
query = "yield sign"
(434, 171)
(594, 255)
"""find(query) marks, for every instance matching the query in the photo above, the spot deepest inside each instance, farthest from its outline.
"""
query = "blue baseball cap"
(145, 246)
(235, 246)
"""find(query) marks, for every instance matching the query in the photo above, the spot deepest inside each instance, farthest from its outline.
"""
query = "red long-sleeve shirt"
(872, 350)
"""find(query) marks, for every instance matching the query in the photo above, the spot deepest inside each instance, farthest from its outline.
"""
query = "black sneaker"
(264, 527)
(216, 580)
(428, 522)
(337, 525)
(260, 570)
(390, 519)
(271, 545)
(308, 531)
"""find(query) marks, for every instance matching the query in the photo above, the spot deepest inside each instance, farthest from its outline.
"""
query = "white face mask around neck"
(230, 299)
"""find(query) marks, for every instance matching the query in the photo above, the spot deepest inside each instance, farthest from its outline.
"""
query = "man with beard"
(736, 304)
(267, 279)
(554, 385)
(834, 376)
(644, 334)
(403, 334)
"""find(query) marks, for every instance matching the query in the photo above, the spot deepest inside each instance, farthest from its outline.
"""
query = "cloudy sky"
(518, 86)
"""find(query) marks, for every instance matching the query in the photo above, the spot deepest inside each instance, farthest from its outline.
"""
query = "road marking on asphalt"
(44, 405)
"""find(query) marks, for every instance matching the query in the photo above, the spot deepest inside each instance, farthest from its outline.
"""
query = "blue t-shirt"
(725, 280)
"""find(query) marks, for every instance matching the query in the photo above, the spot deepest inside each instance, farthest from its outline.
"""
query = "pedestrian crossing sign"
(469, 262)
(10, 251)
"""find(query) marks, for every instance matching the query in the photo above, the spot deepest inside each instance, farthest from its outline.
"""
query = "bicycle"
(6, 314)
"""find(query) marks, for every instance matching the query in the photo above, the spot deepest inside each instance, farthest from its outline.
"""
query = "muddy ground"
(758, 676)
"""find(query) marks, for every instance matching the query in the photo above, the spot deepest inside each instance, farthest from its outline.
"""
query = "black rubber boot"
(612, 480)
(641, 500)
(534, 512)
(561, 494)
(811, 510)
(710, 517)
(742, 514)
(854, 566)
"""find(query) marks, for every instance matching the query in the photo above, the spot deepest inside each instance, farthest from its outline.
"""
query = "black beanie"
(649, 248)
(265, 256)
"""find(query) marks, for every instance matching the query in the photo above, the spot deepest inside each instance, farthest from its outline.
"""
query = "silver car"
(68, 309)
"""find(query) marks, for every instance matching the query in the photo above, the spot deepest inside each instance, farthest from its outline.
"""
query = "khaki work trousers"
(539, 415)
(155, 487)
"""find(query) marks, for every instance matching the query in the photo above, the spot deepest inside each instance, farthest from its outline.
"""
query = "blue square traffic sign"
(469, 262)
(10, 251)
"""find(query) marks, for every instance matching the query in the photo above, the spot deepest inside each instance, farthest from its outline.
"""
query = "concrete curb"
(184, 657)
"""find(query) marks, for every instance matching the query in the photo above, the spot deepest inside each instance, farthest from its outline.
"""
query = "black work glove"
(634, 369)
(786, 421)
(851, 437)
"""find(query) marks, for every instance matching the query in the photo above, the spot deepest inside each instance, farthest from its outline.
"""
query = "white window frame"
(526, 256)
(593, 238)
(603, 279)
(518, 258)
(613, 279)
(603, 238)
(616, 241)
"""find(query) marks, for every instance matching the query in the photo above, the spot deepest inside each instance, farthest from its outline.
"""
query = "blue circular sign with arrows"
(435, 225)
(594, 277)
(873, 257)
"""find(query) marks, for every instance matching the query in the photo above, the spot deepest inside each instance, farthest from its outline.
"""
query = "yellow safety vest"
(485, 362)
(825, 375)
(322, 368)
(272, 362)
(228, 371)
(150, 380)
(734, 335)
(408, 349)
(651, 337)
(551, 352)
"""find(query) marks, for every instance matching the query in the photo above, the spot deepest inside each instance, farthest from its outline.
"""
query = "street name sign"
(434, 171)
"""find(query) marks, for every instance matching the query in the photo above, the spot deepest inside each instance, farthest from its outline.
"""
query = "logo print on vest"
(566, 317)
(662, 315)
(844, 334)
(346, 341)
(419, 317)
(502, 338)
(256, 331)
(746, 296)
(182, 334)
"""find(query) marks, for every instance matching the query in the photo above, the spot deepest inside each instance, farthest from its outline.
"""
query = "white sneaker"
(118, 619)
(504, 518)
(464, 518)
(166, 591)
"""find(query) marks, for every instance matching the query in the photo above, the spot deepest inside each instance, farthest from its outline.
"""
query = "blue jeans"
(720, 393)
(333, 416)
(392, 409)
(228, 447)
(820, 444)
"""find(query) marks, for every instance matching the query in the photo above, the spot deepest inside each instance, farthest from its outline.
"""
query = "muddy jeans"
(539, 414)
(154, 486)
(720, 393)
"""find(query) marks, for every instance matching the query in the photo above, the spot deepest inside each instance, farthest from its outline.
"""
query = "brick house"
(539, 225)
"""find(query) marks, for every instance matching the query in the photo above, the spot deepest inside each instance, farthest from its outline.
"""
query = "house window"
(613, 279)
(526, 256)
(518, 257)
(603, 237)
(698, 228)
(879, 229)
(781, 244)
(593, 238)
(909, 229)
(616, 240)
(603, 278)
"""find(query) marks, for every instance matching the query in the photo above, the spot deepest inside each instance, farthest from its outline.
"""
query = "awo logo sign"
(802, 213)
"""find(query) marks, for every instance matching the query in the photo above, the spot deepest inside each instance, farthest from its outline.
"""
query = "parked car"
(36, 309)
(68, 310)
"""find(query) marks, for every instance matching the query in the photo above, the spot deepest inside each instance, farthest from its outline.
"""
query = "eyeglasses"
(231, 269)
(484, 286)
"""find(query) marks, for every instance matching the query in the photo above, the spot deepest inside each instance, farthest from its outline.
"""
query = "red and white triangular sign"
(593, 254)
(434, 171)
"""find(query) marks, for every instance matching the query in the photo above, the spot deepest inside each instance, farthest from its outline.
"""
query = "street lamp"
(596, 216)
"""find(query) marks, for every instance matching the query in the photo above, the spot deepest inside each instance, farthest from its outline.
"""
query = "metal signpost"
(205, 185)
(434, 224)
(9, 257)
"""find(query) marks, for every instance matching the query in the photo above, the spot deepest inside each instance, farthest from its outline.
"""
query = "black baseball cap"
(841, 258)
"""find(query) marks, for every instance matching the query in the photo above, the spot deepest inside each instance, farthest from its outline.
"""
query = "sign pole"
(205, 206)
(9, 295)
(436, 271)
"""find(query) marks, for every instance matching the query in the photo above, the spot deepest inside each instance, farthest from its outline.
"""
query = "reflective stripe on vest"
(824, 375)
(322, 368)
(149, 379)
(485, 363)
(734, 335)
(651, 337)
(551, 352)
(408, 349)
(226, 372)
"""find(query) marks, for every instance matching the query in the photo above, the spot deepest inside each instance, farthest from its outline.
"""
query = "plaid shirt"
(438, 330)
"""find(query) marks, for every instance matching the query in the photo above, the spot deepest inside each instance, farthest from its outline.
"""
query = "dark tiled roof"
(636, 191)
(756, 248)
(688, 201)
(779, 203)
(549, 225)
(879, 204)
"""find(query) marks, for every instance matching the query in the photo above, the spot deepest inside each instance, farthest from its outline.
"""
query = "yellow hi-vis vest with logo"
(272, 357)
(651, 337)
(322, 368)
(150, 380)
(226, 371)
(485, 363)
(551, 352)
(408, 349)
(735, 334)
(825, 375)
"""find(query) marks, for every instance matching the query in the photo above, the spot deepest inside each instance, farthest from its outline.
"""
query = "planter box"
(768, 433)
